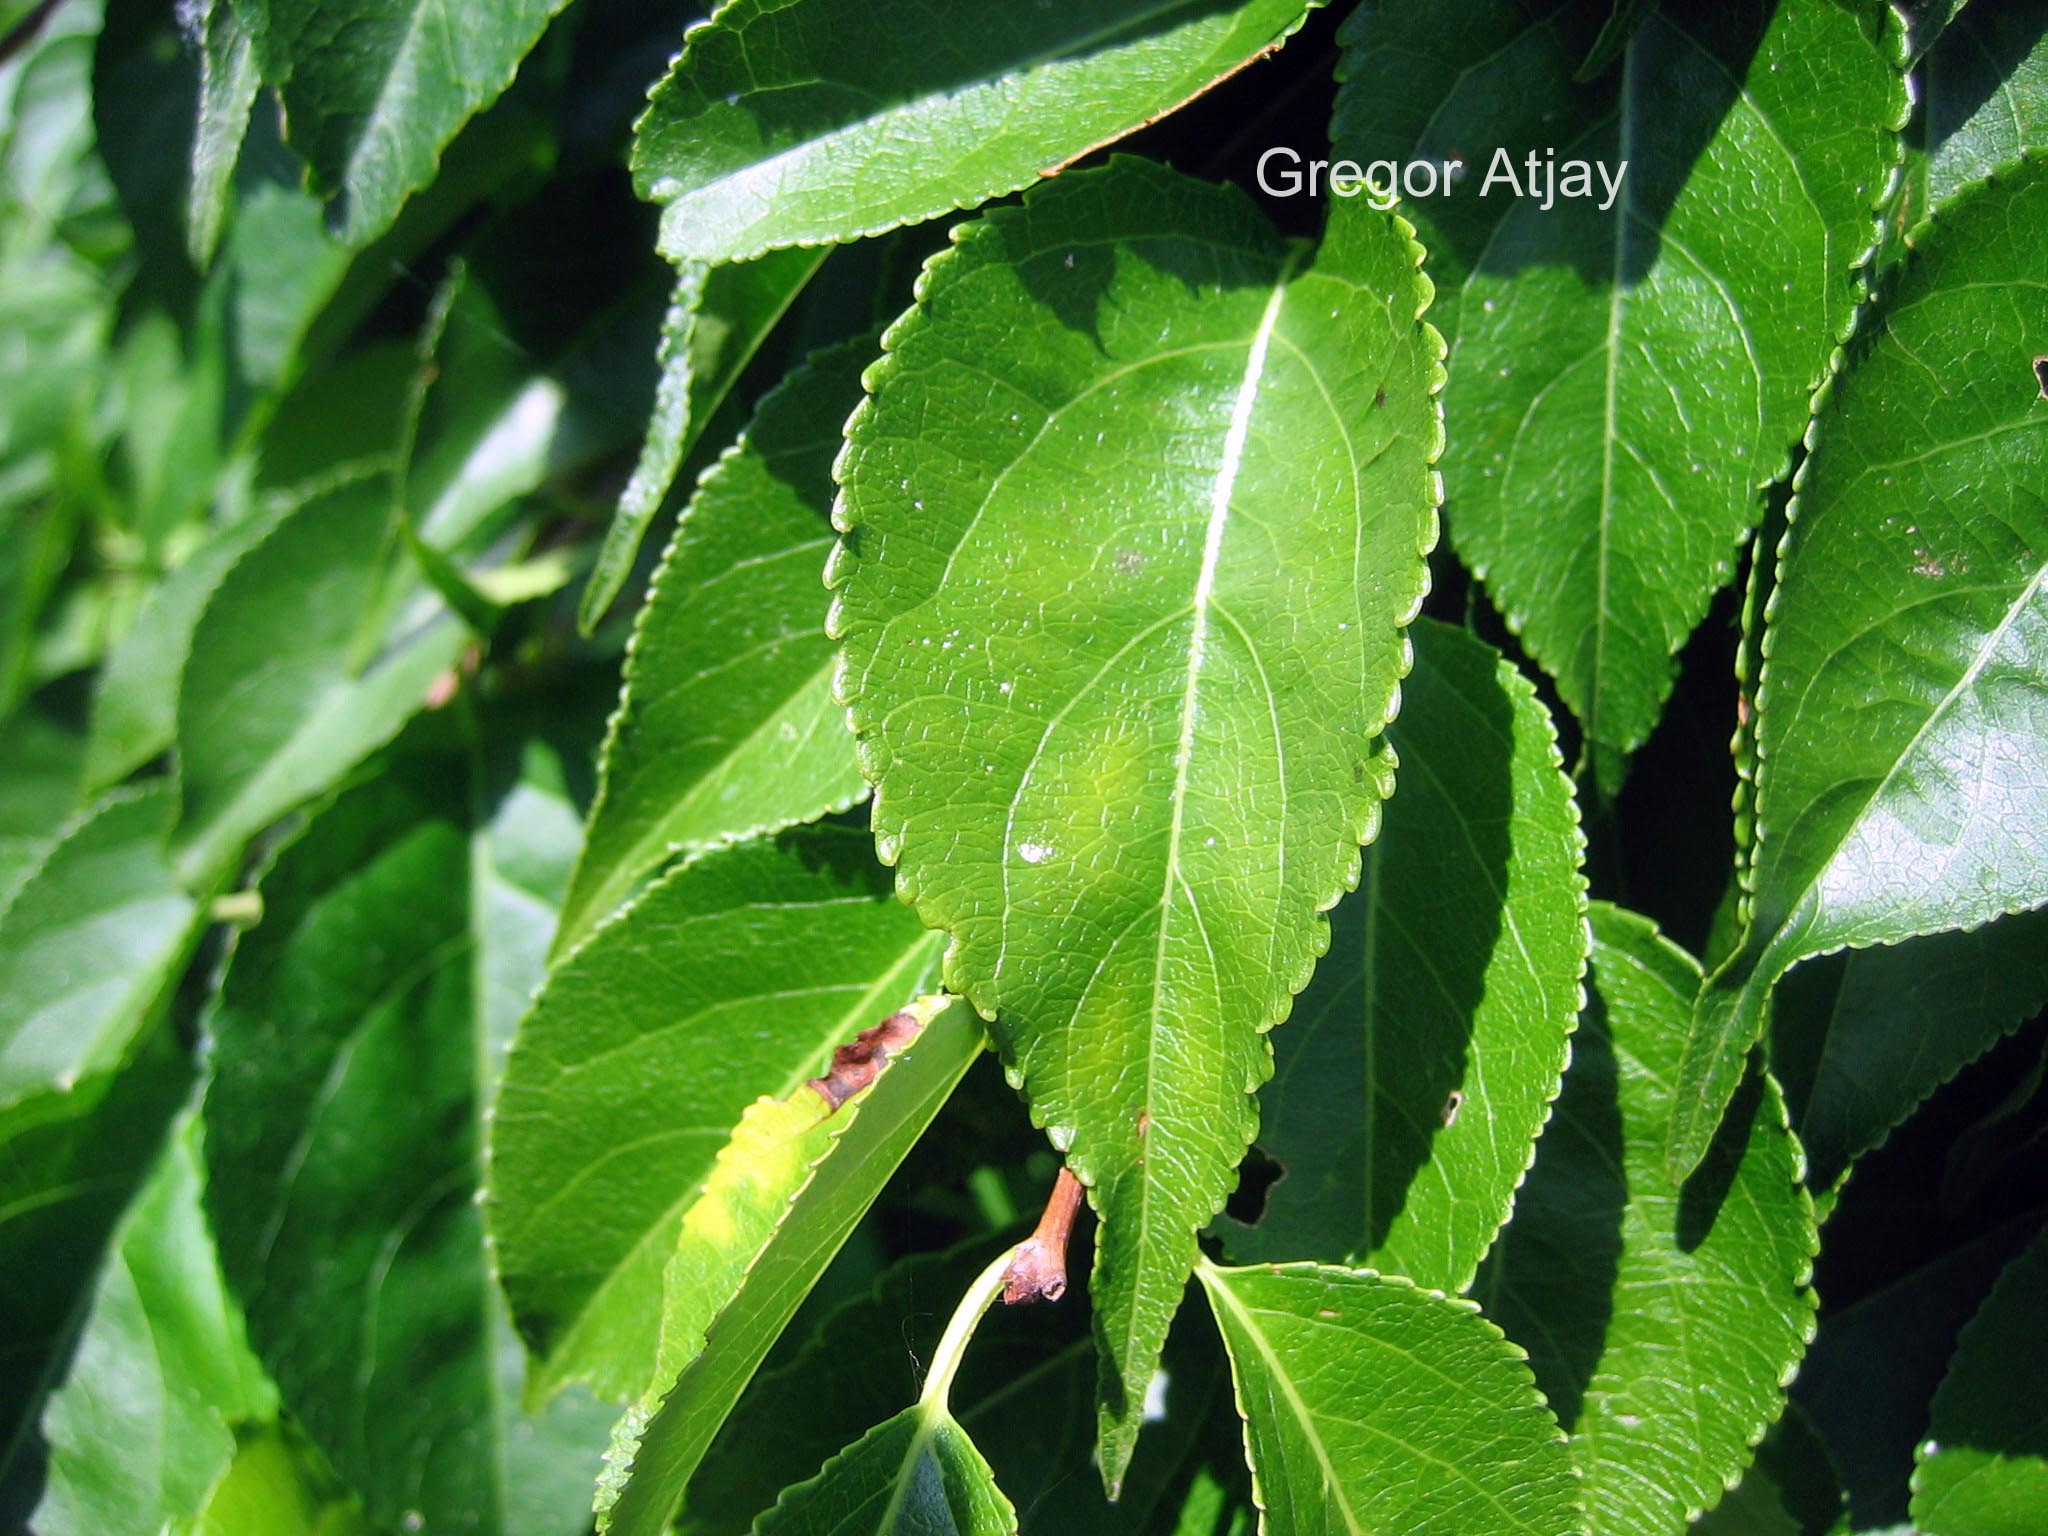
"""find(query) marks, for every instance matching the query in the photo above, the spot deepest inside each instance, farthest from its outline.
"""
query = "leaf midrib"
(1230, 465)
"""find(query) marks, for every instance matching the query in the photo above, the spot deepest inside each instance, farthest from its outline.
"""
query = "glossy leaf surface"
(827, 120)
(373, 90)
(287, 686)
(355, 1049)
(719, 315)
(1860, 1038)
(1984, 1467)
(88, 943)
(733, 977)
(143, 1429)
(917, 1473)
(1899, 790)
(1116, 647)
(787, 1191)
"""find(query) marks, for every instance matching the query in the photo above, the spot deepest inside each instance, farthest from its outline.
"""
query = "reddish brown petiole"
(1038, 1272)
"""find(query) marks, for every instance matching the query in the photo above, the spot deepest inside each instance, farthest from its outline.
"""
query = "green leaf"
(1662, 1320)
(1927, 21)
(1624, 381)
(916, 1473)
(1419, 1065)
(299, 668)
(829, 120)
(272, 1490)
(1983, 1470)
(1117, 642)
(1623, 17)
(726, 726)
(1984, 99)
(142, 1431)
(1860, 1038)
(354, 1048)
(1879, 1360)
(785, 1194)
(373, 90)
(135, 694)
(39, 782)
(716, 322)
(863, 1364)
(228, 81)
(1371, 1404)
(733, 977)
(88, 945)
(1901, 707)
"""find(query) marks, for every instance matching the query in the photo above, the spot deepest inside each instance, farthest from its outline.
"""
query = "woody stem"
(1038, 1267)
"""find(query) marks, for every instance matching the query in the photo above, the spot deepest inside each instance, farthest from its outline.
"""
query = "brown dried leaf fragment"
(856, 1064)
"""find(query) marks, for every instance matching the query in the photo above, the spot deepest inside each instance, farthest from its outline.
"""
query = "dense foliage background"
(533, 613)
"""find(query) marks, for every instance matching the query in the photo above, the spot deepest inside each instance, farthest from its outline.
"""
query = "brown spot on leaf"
(859, 1062)
(1144, 1121)
(1379, 396)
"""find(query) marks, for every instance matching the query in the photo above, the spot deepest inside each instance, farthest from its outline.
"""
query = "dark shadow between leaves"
(1701, 1198)
(1550, 1281)
(1369, 1071)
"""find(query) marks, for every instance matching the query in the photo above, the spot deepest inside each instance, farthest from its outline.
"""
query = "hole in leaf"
(1256, 1176)
(2041, 375)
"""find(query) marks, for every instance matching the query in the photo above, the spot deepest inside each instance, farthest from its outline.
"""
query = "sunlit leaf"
(163, 1362)
(1624, 371)
(1371, 1404)
(89, 944)
(1899, 784)
(1118, 639)
(784, 1195)
(733, 977)
(716, 320)
(354, 1048)
(1984, 1467)
(373, 90)
(826, 120)
(726, 726)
